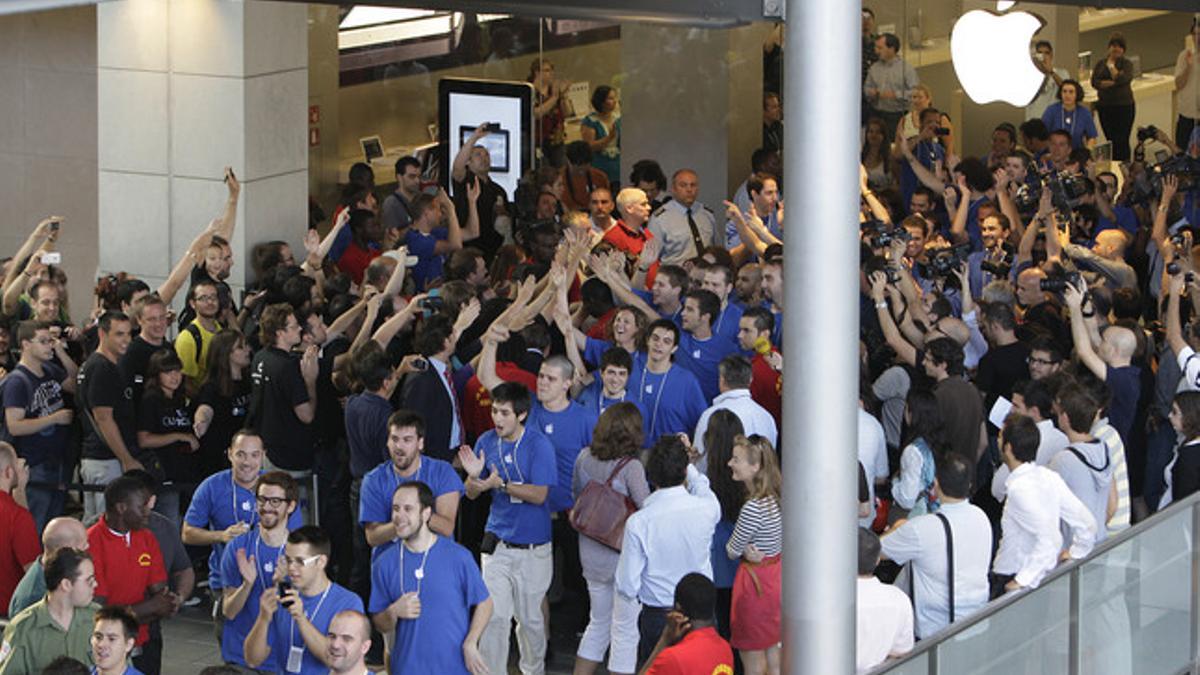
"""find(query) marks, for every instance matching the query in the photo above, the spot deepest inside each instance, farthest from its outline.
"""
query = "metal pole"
(820, 334)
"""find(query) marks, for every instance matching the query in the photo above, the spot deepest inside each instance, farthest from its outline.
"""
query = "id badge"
(295, 657)
(512, 498)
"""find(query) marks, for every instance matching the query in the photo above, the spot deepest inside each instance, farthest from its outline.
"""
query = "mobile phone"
(54, 225)
(433, 302)
(420, 364)
(491, 126)
(283, 587)
(52, 258)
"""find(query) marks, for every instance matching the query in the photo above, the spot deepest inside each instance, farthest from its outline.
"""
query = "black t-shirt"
(489, 240)
(161, 415)
(102, 385)
(330, 419)
(224, 296)
(1001, 368)
(229, 415)
(136, 360)
(276, 389)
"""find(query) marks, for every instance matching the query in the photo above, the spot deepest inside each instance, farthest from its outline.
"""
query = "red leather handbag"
(600, 511)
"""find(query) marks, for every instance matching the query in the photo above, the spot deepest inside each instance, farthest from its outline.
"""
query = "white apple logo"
(991, 55)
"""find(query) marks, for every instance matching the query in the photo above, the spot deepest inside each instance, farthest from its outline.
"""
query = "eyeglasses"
(206, 298)
(1033, 361)
(301, 562)
(273, 501)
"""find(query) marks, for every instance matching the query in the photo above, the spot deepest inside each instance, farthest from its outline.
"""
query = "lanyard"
(419, 573)
(313, 617)
(516, 461)
(233, 495)
(401, 480)
(1069, 126)
(262, 573)
(600, 399)
(642, 393)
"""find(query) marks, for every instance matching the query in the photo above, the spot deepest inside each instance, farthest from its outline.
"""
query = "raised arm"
(228, 218)
(876, 206)
(958, 226)
(458, 170)
(471, 230)
(1174, 323)
(36, 237)
(1079, 331)
(904, 351)
(454, 235)
(193, 256)
(1158, 232)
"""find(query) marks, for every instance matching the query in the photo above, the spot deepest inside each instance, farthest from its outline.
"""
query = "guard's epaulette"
(658, 211)
(709, 210)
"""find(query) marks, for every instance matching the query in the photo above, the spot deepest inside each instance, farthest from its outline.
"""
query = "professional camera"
(1147, 186)
(1057, 283)
(1065, 188)
(997, 267)
(946, 261)
(1147, 133)
(882, 234)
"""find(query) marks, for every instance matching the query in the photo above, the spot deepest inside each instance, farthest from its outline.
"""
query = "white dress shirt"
(872, 454)
(923, 541)
(1051, 443)
(670, 536)
(755, 420)
(883, 623)
(1030, 539)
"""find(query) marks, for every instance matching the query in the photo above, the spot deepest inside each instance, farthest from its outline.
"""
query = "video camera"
(881, 234)
(946, 261)
(1065, 188)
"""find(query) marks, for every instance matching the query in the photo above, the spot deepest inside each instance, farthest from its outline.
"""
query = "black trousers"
(1117, 123)
(651, 622)
(1183, 131)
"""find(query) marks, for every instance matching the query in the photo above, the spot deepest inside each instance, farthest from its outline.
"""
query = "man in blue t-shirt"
(719, 279)
(295, 611)
(516, 465)
(700, 349)
(36, 417)
(609, 383)
(668, 394)
(428, 594)
(405, 443)
(349, 637)
(250, 561)
(223, 508)
(428, 240)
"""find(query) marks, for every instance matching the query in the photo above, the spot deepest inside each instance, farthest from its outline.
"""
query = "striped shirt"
(1104, 432)
(760, 523)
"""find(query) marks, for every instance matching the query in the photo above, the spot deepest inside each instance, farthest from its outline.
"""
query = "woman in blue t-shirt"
(1070, 115)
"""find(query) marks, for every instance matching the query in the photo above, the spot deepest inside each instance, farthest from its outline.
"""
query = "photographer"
(1105, 259)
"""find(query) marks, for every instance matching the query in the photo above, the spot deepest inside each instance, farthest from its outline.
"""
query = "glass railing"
(1132, 601)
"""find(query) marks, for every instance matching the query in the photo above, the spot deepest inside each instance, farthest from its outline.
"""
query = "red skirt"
(754, 616)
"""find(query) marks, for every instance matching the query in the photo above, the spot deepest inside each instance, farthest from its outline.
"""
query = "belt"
(509, 544)
(765, 562)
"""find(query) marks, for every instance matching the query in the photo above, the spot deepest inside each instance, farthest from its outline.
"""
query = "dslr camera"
(1057, 283)
(946, 261)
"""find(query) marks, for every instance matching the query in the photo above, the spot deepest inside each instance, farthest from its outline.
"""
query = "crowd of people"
(575, 391)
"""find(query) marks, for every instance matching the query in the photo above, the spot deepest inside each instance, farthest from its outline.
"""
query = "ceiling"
(689, 12)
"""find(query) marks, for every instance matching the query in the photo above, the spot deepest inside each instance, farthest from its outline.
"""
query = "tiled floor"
(190, 645)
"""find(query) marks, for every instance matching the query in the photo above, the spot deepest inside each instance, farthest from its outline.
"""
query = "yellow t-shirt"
(185, 347)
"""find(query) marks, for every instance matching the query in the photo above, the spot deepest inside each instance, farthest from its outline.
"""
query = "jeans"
(45, 503)
(651, 622)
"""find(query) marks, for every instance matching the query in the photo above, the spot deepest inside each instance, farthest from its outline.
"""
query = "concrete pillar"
(186, 87)
(48, 137)
(675, 104)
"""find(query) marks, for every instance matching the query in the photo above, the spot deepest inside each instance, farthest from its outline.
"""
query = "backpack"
(927, 501)
(198, 337)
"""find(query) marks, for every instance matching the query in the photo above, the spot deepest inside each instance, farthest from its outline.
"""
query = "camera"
(997, 268)
(1147, 133)
(1175, 268)
(1065, 188)
(881, 234)
(282, 588)
(941, 131)
(1057, 283)
(945, 262)
(433, 302)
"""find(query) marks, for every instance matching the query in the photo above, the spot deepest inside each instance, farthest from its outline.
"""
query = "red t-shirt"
(625, 239)
(126, 565)
(477, 400)
(355, 259)
(700, 652)
(766, 387)
(597, 331)
(19, 546)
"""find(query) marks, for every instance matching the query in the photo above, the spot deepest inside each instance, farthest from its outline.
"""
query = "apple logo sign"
(990, 51)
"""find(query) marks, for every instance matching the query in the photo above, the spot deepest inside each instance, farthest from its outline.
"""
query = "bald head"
(64, 533)
(1110, 244)
(8, 456)
(1120, 344)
